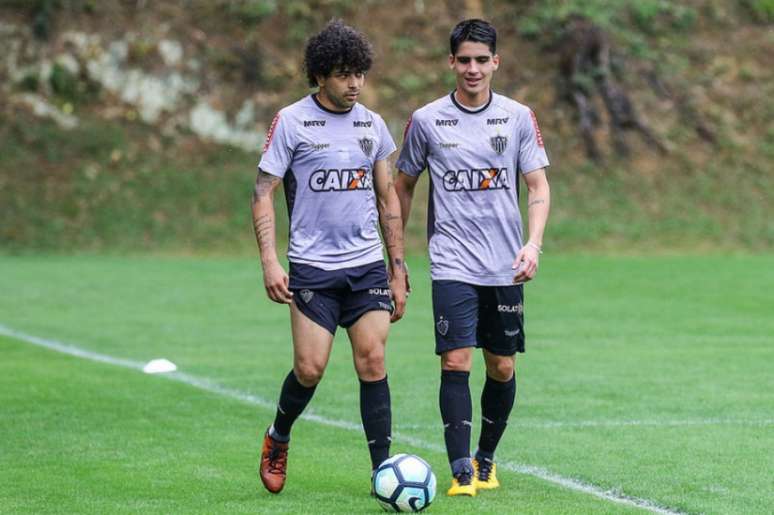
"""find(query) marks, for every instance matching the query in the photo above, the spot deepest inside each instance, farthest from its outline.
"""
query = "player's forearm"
(392, 230)
(538, 206)
(264, 225)
(405, 193)
(264, 217)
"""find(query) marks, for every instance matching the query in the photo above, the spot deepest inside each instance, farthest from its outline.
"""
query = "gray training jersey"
(474, 157)
(326, 160)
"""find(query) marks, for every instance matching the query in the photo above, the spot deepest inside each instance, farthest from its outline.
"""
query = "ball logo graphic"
(404, 483)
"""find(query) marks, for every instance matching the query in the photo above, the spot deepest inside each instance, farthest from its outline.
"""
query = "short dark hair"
(476, 30)
(337, 46)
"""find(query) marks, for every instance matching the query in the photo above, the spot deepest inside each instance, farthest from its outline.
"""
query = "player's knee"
(370, 364)
(457, 360)
(309, 373)
(500, 370)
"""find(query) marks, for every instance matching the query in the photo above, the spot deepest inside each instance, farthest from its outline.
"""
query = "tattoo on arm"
(263, 222)
(264, 231)
(393, 235)
(264, 184)
(536, 201)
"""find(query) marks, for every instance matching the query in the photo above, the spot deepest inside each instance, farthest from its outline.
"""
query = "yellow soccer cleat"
(485, 475)
(465, 485)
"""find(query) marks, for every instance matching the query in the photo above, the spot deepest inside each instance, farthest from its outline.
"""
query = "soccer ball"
(404, 483)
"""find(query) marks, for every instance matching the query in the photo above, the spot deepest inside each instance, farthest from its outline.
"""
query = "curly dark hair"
(337, 46)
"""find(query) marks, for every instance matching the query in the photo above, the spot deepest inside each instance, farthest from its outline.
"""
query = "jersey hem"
(371, 257)
(496, 280)
(410, 173)
(531, 169)
(270, 172)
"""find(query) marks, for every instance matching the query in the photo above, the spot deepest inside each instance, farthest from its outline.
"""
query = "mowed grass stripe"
(212, 387)
(79, 437)
(609, 338)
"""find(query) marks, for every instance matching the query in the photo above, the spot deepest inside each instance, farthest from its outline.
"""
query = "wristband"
(535, 246)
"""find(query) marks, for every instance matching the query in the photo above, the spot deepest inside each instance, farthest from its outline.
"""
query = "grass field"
(644, 377)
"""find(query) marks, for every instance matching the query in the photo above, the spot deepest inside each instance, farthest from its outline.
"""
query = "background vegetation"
(116, 183)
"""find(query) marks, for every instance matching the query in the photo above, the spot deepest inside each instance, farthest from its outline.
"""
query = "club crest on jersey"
(477, 179)
(498, 143)
(366, 145)
(442, 326)
(352, 179)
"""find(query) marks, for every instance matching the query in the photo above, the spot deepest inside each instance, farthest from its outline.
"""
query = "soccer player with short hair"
(330, 153)
(475, 144)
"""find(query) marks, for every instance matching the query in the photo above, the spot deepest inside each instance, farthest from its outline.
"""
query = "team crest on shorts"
(498, 143)
(366, 145)
(306, 295)
(442, 326)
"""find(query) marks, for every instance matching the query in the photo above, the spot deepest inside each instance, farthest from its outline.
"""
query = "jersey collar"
(317, 101)
(471, 111)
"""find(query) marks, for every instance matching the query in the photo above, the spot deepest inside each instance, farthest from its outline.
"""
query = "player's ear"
(496, 61)
(320, 80)
(451, 60)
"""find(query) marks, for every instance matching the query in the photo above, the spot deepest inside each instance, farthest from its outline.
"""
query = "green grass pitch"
(645, 377)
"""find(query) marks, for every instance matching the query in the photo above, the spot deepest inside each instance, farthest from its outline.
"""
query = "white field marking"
(207, 385)
(548, 424)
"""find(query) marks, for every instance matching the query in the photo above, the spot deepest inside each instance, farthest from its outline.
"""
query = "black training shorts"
(468, 315)
(334, 298)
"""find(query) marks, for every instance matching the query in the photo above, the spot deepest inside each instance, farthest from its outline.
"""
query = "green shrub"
(252, 11)
(762, 10)
(63, 82)
(645, 12)
(29, 82)
(614, 16)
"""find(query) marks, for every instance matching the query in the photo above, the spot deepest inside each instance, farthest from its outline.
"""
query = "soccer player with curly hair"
(476, 144)
(330, 153)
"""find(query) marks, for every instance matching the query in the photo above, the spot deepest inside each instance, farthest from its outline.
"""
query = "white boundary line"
(536, 424)
(614, 496)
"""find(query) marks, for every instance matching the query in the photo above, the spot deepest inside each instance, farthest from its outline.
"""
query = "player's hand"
(526, 264)
(398, 292)
(276, 281)
(408, 284)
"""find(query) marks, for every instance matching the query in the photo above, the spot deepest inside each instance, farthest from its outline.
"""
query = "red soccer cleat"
(274, 464)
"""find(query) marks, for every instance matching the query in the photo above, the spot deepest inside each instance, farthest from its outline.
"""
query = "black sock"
(376, 414)
(456, 413)
(496, 404)
(293, 399)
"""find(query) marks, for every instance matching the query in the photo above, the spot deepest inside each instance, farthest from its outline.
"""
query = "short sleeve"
(413, 155)
(386, 143)
(532, 152)
(278, 148)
